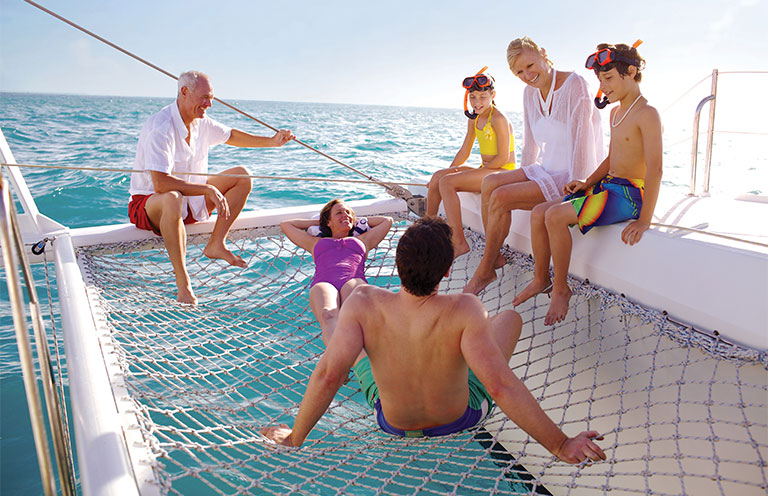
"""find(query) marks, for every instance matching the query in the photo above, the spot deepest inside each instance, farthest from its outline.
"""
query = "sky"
(393, 52)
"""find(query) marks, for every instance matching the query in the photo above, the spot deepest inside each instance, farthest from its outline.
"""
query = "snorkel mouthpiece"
(601, 104)
(471, 115)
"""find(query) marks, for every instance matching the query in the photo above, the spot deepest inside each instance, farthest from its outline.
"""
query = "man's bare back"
(414, 345)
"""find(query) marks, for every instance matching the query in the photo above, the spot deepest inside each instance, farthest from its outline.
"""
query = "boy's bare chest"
(627, 154)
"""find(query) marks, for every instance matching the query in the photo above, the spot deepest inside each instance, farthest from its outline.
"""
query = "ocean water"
(388, 143)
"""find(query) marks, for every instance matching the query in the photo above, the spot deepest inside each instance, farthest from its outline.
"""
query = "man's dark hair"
(424, 255)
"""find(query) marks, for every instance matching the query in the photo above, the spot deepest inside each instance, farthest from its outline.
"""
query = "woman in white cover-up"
(562, 141)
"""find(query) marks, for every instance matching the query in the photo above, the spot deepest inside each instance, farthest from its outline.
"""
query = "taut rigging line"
(393, 189)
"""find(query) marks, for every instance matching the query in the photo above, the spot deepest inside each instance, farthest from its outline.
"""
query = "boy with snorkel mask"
(625, 185)
(497, 149)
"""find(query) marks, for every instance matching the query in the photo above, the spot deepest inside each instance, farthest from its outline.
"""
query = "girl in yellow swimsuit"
(497, 149)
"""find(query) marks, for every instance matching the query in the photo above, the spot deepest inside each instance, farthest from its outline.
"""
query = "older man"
(174, 143)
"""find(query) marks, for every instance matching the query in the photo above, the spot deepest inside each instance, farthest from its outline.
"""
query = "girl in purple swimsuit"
(339, 257)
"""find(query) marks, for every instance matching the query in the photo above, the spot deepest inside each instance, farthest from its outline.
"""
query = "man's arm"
(650, 129)
(329, 375)
(248, 140)
(484, 357)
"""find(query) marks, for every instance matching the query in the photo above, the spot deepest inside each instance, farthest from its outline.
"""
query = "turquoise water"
(384, 142)
(388, 143)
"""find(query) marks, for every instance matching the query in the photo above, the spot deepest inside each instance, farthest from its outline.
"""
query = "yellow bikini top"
(486, 138)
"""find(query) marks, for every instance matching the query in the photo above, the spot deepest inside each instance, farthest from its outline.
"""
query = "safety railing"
(710, 137)
(15, 261)
(712, 100)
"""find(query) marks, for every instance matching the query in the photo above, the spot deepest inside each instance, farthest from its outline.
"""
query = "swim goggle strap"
(604, 57)
(478, 81)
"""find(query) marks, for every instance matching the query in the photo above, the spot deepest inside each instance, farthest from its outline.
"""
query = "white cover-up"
(566, 145)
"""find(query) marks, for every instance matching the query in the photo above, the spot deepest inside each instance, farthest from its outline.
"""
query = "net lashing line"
(682, 412)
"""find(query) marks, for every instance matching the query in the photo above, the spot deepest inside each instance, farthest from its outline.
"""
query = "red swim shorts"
(137, 214)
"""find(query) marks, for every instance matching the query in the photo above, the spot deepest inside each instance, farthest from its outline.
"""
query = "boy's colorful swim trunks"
(612, 200)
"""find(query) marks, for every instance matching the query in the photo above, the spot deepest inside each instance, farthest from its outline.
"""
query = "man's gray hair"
(189, 79)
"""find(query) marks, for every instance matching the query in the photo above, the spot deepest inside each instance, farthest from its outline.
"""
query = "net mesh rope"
(682, 412)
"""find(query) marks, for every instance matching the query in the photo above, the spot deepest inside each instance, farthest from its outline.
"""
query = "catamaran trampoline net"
(681, 412)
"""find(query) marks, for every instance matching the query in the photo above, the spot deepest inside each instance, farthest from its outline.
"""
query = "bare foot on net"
(535, 287)
(186, 295)
(460, 248)
(479, 282)
(558, 308)
(223, 253)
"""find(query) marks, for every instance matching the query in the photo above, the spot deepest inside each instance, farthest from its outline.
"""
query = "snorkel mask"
(603, 57)
(476, 82)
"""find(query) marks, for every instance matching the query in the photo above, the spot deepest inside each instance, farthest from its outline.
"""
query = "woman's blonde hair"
(516, 47)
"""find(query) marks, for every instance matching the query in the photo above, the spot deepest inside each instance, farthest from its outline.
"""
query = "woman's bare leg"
(324, 302)
(523, 195)
(489, 185)
(541, 254)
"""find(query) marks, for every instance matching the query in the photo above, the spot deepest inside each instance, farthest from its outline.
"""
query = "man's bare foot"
(558, 308)
(460, 248)
(535, 287)
(224, 254)
(186, 295)
(479, 282)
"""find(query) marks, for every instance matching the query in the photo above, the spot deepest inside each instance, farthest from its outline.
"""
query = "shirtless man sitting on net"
(420, 346)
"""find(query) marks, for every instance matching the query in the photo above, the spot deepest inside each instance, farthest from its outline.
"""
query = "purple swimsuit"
(337, 260)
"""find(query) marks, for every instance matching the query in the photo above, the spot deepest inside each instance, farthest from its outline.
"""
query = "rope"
(743, 72)
(207, 174)
(704, 79)
(389, 187)
(680, 97)
(741, 132)
(282, 178)
(676, 406)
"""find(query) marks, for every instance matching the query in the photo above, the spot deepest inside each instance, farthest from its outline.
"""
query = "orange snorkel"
(601, 104)
(471, 115)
